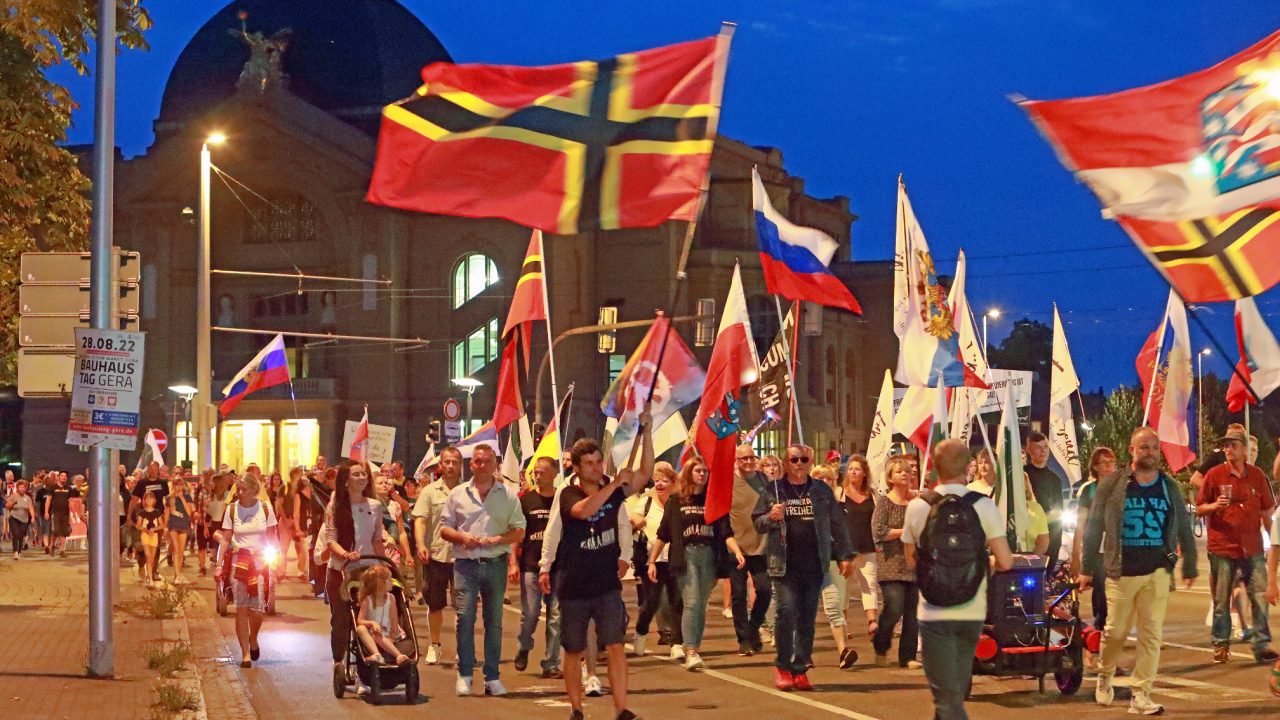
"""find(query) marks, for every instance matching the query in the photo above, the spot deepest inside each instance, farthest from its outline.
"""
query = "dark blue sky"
(855, 92)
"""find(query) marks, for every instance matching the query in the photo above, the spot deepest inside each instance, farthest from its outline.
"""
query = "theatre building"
(288, 198)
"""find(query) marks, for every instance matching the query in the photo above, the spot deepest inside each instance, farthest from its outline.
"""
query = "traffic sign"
(452, 409)
(452, 431)
(47, 299)
(44, 372)
(59, 330)
(162, 440)
(73, 267)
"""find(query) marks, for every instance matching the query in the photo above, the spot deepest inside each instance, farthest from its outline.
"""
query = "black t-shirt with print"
(1142, 537)
(694, 528)
(151, 519)
(158, 487)
(537, 511)
(802, 532)
(587, 559)
(60, 501)
(41, 494)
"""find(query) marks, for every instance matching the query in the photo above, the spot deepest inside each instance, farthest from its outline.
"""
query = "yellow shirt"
(1038, 526)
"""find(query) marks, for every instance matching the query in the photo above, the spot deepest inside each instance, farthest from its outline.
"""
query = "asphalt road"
(293, 678)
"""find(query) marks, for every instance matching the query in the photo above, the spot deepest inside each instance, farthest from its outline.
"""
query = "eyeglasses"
(746, 457)
(799, 460)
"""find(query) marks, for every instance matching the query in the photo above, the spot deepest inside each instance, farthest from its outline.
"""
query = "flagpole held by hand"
(790, 354)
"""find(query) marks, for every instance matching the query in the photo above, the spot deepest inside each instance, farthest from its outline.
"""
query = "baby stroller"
(1033, 626)
(386, 676)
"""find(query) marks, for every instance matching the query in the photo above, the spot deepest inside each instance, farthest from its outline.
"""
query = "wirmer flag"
(1259, 357)
(1189, 167)
(269, 367)
(795, 259)
(677, 382)
(733, 364)
(619, 143)
(881, 438)
(1063, 381)
(922, 319)
(360, 439)
(1165, 402)
(549, 445)
(528, 305)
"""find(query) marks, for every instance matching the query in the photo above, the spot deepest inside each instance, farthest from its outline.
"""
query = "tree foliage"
(1121, 415)
(1028, 347)
(43, 202)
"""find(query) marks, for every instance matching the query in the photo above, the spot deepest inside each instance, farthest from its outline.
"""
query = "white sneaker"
(637, 644)
(1104, 693)
(462, 688)
(494, 688)
(693, 661)
(677, 652)
(433, 654)
(592, 687)
(1141, 705)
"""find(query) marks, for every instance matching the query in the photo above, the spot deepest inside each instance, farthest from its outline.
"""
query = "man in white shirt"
(950, 634)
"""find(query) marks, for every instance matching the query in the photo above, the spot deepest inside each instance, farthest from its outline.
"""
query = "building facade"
(288, 198)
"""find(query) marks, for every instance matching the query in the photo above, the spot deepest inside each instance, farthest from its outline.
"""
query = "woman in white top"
(352, 527)
(250, 525)
(645, 512)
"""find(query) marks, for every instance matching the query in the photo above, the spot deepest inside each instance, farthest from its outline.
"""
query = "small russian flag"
(269, 367)
(794, 258)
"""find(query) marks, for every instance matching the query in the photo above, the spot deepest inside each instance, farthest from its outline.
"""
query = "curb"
(223, 692)
(190, 677)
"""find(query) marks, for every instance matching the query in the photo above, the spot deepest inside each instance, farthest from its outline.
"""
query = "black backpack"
(951, 556)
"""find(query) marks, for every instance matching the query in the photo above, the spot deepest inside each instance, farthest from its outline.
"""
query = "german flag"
(617, 143)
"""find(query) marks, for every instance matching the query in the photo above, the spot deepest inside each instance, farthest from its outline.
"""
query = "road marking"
(1212, 688)
(793, 697)
(1196, 648)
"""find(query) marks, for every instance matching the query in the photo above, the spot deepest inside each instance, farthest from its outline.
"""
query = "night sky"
(855, 92)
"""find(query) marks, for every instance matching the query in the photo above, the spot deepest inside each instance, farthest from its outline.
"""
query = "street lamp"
(994, 314)
(1200, 398)
(469, 384)
(204, 343)
(186, 392)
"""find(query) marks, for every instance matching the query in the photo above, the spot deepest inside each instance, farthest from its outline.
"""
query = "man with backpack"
(948, 535)
(1137, 523)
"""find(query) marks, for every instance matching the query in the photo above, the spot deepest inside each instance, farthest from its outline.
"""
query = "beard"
(1146, 463)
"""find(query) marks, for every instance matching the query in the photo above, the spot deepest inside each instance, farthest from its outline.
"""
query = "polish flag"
(360, 439)
(734, 363)
(1259, 357)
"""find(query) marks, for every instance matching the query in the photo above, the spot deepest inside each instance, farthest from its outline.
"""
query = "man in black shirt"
(806, 530)
(1047, 486)
(57, 510)
(536, 505)
(589, 566)
(40, 493)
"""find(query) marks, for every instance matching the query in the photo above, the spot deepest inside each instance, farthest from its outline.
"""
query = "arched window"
(473, 274)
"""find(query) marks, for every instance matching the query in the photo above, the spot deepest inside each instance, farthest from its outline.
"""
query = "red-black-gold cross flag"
(617, 143)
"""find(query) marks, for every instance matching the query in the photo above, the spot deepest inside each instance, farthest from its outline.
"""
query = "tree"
(1121, 415)
(43, 205)
(1028, 347)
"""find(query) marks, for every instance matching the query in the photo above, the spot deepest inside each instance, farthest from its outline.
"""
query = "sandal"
(375, 658)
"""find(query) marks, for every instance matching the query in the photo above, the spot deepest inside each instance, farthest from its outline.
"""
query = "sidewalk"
(44, 606)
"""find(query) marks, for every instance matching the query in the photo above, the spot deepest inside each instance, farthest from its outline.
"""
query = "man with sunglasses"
(801, 521)
(748, 484)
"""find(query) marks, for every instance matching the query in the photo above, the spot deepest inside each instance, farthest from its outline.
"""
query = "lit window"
(478, 349)
(248, 441)
(473, 274)
(616, 363)
(299, 443)
(185, 444)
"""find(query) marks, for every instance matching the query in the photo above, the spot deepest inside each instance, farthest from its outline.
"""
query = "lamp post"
(1200, 399)
(469, 384)
(186, 392)
(994, 314)
(204, 311)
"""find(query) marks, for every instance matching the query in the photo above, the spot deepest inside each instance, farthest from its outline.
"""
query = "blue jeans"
(1222, 579)
(796, 597)
(484, 580)
(695, 587)
(900, 601)
(532, 600)
(948, 647)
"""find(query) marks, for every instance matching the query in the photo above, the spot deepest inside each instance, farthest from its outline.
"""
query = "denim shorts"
(256, 601)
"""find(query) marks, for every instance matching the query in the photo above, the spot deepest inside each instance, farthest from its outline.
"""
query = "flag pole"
(790, 353)
(713, 120)
(1217, 346)
(551, 356)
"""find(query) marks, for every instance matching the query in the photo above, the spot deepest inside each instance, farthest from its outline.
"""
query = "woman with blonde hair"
(645, 511)
(984, 472)
(697, 549)
(897, 580)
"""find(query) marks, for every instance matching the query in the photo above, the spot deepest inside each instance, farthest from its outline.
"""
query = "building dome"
(347, 57)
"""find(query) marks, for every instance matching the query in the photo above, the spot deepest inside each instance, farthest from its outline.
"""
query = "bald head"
(951, 458)
(1144, 448)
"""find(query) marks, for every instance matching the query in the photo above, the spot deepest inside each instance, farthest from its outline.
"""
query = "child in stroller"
(377, 622)
(375, 592)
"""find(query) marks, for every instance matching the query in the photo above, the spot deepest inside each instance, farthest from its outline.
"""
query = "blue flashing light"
(1029, 582)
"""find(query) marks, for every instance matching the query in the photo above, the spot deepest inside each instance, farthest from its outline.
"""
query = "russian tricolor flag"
(794, 258)
(269, 367)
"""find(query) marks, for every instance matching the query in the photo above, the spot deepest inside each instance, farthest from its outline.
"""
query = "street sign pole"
(204, 310)
(101, 522)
